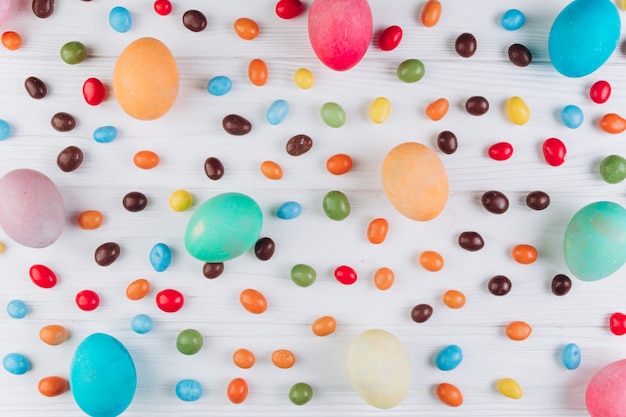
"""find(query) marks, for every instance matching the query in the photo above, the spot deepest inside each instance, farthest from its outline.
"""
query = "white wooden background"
(192, 131)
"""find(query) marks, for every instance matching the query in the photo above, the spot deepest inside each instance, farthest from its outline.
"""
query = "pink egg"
(340, 31)
(32, 211)
(606, 392)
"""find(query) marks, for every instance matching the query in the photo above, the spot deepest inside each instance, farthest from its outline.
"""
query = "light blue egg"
(570, 356)
(512, 19)
(120, 19)
(5, 129)
(277, 112)
(583, 36)
(105, 134)
(220, 85)
(160, 257)
(288, 210)
(141, 323)
(572, 116)
(449, 358)
(16, 363)
(189, 390)
(17, 309)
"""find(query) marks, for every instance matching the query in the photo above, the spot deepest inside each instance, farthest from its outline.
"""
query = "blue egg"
(289, 210)
(512, 19)
(277, 112)
(16, 363)
(17, 309)
(102, 376)
(120, 19)
(570, 356)
(189, 390)
(141, 323)
(5, 130)
(583, 36)
(572, 116)
(160, 257)
(449, 358)
(105, 134)
(220, 85)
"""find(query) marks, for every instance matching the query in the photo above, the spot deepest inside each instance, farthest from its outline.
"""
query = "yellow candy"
(181, 200)
(509, 388)
(304, 78)
(379, 110)
(1, 247)
(517, 110)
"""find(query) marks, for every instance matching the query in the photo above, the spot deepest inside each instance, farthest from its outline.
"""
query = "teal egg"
(583, 36)
(595, 241)
(102, 376)
(223, 227)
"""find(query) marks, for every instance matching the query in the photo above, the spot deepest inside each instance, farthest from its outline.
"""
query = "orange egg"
(524, 254)
(384, 278)
(437, 109)
(246, 28)
(53, 334)
(146, 159)
(449, 395)
(431, 260)
(138, 289)
(613, 123)
(324, 326)
(51, 386)
(377, 230)
(243, 358)
(283, 358)
(11, 40)
(253, 301)
(271, 170)
(90, 219)
(454, 299)
(257, 72)
(518, 330)
(237, 390)
(339, 164)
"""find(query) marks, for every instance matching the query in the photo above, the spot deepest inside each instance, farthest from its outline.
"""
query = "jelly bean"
(471, 241)
(524, 254)
(298, 145)
(336, 205)
(160, 257)
(170, 300)
(16, 363)
(324, 326)
(237, 390)
(94, 91)
(477, 105)
(465, 45)
(70, 158)
(138, 289)
(243, 358)
(53, 334)
(283, 358)
(253, 301)
(52, 386)
(512, 19)
(449, 394)
(162, 7)
(258, 72)
(276, 112)
(264, 248)
(509, 388)
(454, 299)
(288, 9)
(377, 230)
(42, 276)
(518, 330)
(333, 114)
(449, 358)
(554, 152)
(613, 169)
(538, 200)
(180, 200)
(421, 313)
(431, 13)
(304, 78)
(447, 142)
(339, 164)
(146, 159)
(570, 356)
(246, 28)
(300, 393)
(36, 88)
(384, 278)
(517, 110)
(410, 70)
(17, 309)
(617, 324)
(390, 38)
(431, 260)
(289, 210)
(189, 390)
(213, 168)
(561, 285)
(11, 40)
(212, 270)
(120, 19)
(437, 109)
(600, 91)
(87, 300)
(134, 201)
(105, 134)
(613, 123)
(73, 52)
(303, 275)
(345, 275)
(63, 122)
(43, 8)
(520, 55)
(189, 342)
(499, 285)
(141, 324)
(194, 20)
(236, 125)
(1, 247)
(89, 219)
(219, 85)
(379, 110)
(5, 130)
(572, 116)
(495, 202)
(500, 151)
(271, 170)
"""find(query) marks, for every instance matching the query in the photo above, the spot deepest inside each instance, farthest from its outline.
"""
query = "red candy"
(42, 276)
(554, 151)
(390, 38)
(87, 300)
(345, 274)
(170, 300)
(93, 91)
(163, 7)
(617, 324)
(600, 92)
(500, 151)
(288, 9)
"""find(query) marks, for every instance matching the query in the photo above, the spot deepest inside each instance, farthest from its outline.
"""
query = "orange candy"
(518, 330)
(11, 40)
(339, 164)
(246, 28)
(51, 386)
(431, 13)
(437, 109)
(146, 159)
(271, 170)
(53, 334)
(383, 278)
(253, 301)
(524, 254)
(612, 123)
(454, 299)
(243, 358)
(283, 358)
(377, 230)
(257, 72)
(431, 260)
(237, 390)
(449, 394)
(90, 219)
(138, 289)
(324, 326)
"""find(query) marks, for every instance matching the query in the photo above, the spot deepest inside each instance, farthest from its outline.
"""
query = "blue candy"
(105, 134)
(160, 257)
(16, 363)
(277, 112)
(572, 116)
(220, 85)
(5, 130)
(141, 323)
(570, 356)
(449, 358)
(120, 19)
(289, 210)
(17, 309)
(189, 390)
(512, 19)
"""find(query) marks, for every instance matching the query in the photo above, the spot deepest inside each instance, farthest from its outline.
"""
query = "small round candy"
(303, 275)
(304, 78)
(333, 114)
(189, 342)
(449, 394)
(561, 285)
(16, 363)
(613, 169)
(538, 200)
(17, 309)
(410, 70)
(512, 19)
(264, 248)
(384, 278)
(246, 28)
(570, 356)
(87, 300)
(431, 260)
(51, 386)
(146, 159)
(300, 393)
(180, 200)
(345, 275)
(138, 289)
(324, 326)
(336, 205)
(170, 300)
(288, 9)
(283, 358)
(253, 301)
(518, 330)
(421, 313)
(219, 85)
(5, 130)
(271, 170)
(160, 257)
(89, 219)
(11, 40)
(390, 38)
(499, 285)
(73, 52)
(141, 323)
(162, 7)
(509, 388)
(554, 152)
(105, 134)
(339, 164)
(465, 45)
(189, 390)
(288, 210)
(377, 230)
(42, 276)
(600, 92)
(431, 13)
(237, 390)
(379, 110)
(120, 19)
(449, 358)
(524, 254)
(454, 299)
(572, 116)
(243, 358)
(258, 72)
(277, 111)
(94, 91)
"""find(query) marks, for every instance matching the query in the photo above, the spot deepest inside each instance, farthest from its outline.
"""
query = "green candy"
(303, 275)
(336, 205)
(613, 169)
(411, 70)
(73, 52)
(189, 342)
(333, 114)
(300, 393)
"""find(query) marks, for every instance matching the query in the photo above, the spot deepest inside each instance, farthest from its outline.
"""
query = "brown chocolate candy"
(107, 253)
(70, 158)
